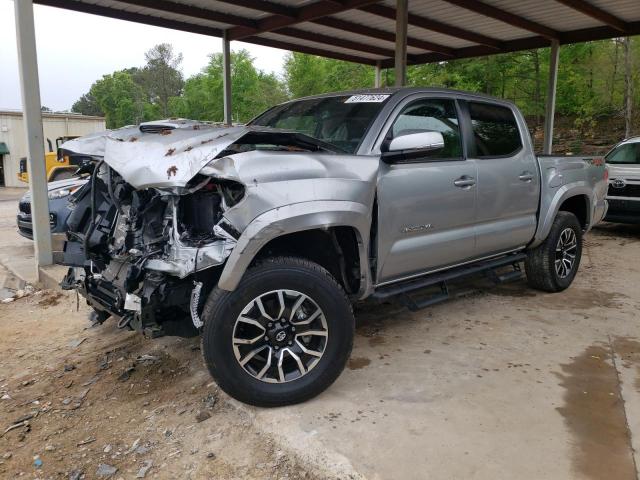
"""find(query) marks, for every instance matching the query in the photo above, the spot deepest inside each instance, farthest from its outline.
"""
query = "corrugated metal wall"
(54, 125)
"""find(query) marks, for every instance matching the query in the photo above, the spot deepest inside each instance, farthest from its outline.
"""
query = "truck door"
(426, 205)
(508, 179)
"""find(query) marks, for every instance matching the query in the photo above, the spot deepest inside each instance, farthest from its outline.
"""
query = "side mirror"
(412, 145)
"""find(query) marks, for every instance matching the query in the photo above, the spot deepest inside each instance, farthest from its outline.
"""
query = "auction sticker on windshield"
(366, 98)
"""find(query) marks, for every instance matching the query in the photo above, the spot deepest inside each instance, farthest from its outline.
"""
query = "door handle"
(526, 176)
(465, 181)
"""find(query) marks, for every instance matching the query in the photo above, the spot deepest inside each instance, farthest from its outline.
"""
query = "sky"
(75, 49)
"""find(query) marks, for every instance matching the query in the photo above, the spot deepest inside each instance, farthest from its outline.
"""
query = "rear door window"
(495, 130)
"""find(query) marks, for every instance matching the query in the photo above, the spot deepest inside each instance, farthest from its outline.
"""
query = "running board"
(405, 287)
(412, 304)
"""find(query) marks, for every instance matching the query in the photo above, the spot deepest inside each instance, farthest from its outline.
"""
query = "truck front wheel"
(553, 264)
(282, 336)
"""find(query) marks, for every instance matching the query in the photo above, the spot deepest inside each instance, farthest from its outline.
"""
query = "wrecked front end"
(147, 235)
(145, 256)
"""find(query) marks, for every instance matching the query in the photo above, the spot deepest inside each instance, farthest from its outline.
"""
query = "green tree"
(311, 75)
(120, 98)
(253, 91)
(161, 78)
(87, 105)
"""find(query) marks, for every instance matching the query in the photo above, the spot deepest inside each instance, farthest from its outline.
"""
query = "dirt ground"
(85, 396)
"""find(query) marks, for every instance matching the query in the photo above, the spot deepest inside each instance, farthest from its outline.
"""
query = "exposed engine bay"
(138, 253)
(147, 254)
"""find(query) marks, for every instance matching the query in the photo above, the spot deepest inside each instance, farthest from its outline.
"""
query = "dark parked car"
(58, 211)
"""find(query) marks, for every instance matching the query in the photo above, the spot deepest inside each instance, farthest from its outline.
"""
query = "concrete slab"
(505, 383)
(16, 252)
(52, 275)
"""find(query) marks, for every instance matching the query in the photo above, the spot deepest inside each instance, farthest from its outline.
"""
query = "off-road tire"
(223, 308)
(540, 262)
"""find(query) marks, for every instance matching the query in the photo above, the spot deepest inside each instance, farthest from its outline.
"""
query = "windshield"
(341, 121)
(629, 153)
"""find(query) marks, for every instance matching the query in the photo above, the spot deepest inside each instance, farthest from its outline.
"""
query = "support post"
(550, 107)
(32, 117)
(226, 76)
(402, 18)
(377, 82)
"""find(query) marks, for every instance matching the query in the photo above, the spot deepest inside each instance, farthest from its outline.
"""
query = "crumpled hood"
(160, 154)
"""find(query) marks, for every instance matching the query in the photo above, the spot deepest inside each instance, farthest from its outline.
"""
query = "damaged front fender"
(296, 218)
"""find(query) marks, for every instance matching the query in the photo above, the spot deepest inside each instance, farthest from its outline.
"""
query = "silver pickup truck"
(623, 163)
(261, 237)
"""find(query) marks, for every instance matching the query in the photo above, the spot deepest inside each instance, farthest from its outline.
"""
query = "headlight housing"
(61, 192)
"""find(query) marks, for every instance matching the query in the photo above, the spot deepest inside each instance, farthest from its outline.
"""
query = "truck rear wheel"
(553, 264)
(281, 337)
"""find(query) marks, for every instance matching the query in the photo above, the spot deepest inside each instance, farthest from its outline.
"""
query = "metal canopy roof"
(363, 31)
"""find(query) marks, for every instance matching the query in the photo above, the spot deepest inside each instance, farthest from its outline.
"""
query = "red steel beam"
(192, 11)
(596, 13)
(506, 17)
(387, 36)
(269, 42)
(334, 41)
(131, 16)
(307, 13)
(435, 26)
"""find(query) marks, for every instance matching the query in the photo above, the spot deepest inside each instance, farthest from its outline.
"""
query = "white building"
(13, 141)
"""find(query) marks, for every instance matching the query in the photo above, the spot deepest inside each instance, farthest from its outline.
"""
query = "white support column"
(226, 76)
(550, 107)
(377, 82)
(32, 115)
(402, 18)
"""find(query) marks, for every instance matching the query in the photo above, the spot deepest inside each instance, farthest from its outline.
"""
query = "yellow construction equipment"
(58, 165)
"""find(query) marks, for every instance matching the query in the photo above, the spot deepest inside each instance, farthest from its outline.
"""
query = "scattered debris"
(14, 426)
(105, 470)
(211, 455)
(124, 376)
(202, 415)
(210, 401)
(91, 381)
(26, 417)
(69, 367)
(147, 359)
(76, 343)
(134, 445)
(146, 466)
(107, 449)
(50, 448)
(76, 474)
(37, 462)
(86, 441)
